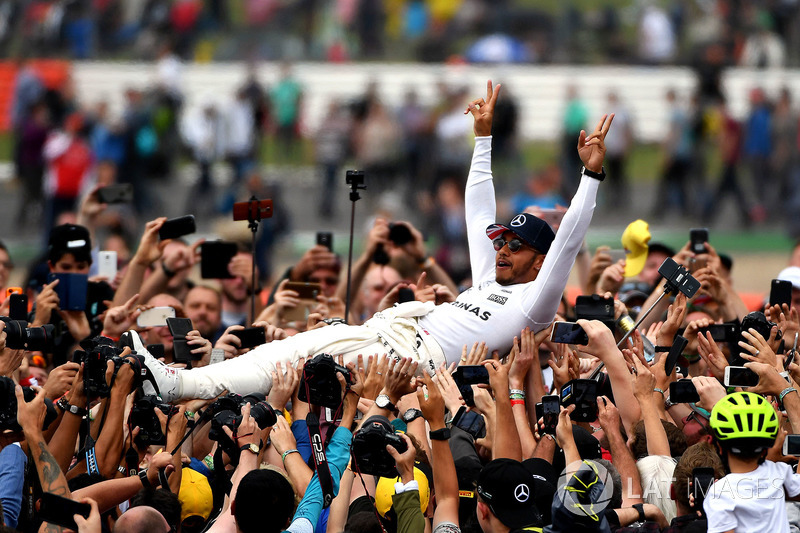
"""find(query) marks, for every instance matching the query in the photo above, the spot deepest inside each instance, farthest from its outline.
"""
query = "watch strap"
(640, 508)
(440, 434)
(600, 176)
(143, 477)
(660, 349)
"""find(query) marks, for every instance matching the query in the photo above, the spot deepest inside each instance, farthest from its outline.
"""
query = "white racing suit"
(431, 335)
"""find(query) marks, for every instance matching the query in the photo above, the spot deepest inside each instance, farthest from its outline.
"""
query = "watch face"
(411, 415)
(382, 401)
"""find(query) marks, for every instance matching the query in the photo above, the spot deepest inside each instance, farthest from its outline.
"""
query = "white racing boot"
(167, 379)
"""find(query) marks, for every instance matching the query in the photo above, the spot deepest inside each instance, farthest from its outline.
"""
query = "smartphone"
(18, 307)
(60, 511)
(551, 407)
(595, 307)
(568, 333)
(471, 422)
(121, 193)
(181, 351)
(583, 394)
(725, 332)
(14, 290)
(156, 350)
(780, 293)
(702, 479)
(792, 355)
(675, 351)
(252, 210)
(552, 216)
(617, 255)
(791, 445)
(215, 256)
(739, 376)
(307, 292)
(71, 290)
(325, 238)
(539, 411)
(683, 391)
(177, 227)
(698, 238)
(678, 277)
(155, 317)
(251, 337)
(471, 375)
(107, 265)
(405, 295)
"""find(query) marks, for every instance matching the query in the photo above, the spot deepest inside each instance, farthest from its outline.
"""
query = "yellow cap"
(634, 240)
(384, 491)
(195, 495)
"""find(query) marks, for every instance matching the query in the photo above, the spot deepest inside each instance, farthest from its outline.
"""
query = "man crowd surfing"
(147, 399)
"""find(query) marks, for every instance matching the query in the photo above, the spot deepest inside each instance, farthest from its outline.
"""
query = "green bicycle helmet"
(744, 422)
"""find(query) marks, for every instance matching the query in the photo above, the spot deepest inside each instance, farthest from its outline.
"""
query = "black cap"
(509, 490)
(534, 231)
(69, 239)
(545, 481)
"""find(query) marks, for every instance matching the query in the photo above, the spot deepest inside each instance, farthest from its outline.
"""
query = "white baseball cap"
(791, 274)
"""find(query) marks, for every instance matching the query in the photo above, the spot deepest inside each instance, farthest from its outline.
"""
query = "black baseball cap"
(69, 239)
(509, 490)
(533, 231)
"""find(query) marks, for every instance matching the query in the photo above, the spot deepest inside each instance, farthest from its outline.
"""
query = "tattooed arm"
(31, 417)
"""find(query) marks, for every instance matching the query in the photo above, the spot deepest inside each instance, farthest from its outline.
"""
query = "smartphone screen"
(569, 333)
(726, 332)
(215, 256)
(791, 446)
(780, 292)
(120, 193)
(683, 391)
(698, 238)
(251, 337)
(675, 351)
(551, 407)
(177, 227)
(702, 479)
(471, 375)
(583, 394)
(325, 238)
(71, 290)
(60, 511)
(739, 376)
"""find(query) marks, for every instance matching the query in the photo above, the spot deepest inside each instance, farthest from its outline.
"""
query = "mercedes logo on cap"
(522, 493)
(517, 221)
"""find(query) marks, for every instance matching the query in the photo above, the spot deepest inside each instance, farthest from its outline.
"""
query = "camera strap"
(357, 473)
(320, 460)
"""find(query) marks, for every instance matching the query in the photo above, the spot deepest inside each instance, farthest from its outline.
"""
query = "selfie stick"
(356, 181)
(254, 210)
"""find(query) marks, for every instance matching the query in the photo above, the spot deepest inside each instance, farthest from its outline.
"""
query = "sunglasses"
(514, 245)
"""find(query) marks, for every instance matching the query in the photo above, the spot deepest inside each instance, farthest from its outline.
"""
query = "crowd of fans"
(635, 424)
(736, 33)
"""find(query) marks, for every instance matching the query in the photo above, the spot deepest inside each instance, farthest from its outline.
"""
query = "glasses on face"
(697, 418)
(514, 245)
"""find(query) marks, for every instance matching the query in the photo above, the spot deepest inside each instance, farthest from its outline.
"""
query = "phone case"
(107, 265)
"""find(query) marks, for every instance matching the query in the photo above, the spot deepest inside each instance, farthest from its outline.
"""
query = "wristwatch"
(384, 402)
(440, 434)
(250, 448)
(411, 414)
(600, 176)
(67, 407)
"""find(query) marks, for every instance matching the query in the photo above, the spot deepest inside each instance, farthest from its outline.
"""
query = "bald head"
(142, 519)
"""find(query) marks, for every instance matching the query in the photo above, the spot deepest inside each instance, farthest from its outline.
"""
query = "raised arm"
(543, 296)
(479, 201)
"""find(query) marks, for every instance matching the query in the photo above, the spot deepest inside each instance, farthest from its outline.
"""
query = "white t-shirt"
(495, 313)
(754, 501)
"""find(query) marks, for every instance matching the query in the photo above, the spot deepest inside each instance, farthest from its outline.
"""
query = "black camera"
(678, 278)
(227, 412)
(400, 233)
(369, 447)
(8, 406)
(143, 415)
(20, 337)
(94, 356)
(320, 385)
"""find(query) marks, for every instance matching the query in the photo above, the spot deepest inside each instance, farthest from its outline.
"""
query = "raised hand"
(483, 111)
(592, 149)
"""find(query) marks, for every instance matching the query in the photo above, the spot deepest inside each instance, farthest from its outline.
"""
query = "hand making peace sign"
(592, 149)
(483, 110)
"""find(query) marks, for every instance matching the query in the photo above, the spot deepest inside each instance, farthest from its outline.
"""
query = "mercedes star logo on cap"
(521, 493)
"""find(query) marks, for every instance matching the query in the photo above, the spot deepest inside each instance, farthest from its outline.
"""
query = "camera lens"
(15, 333)
(399, 234)
(263, 414)
(39, 339)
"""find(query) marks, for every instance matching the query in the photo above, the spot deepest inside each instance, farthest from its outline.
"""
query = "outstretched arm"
(480, 207)
(543, 295)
